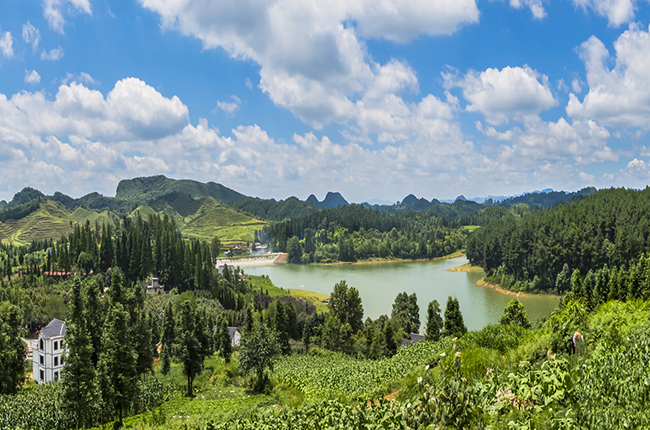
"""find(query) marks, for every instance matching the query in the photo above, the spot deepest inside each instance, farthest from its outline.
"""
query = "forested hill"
(610, 227)
(354, 232)
(183, 195)
(149, 188)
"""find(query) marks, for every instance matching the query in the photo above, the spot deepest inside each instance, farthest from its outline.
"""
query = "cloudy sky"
(373, 98)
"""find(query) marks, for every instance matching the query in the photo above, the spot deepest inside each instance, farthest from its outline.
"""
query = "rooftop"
(55, 328)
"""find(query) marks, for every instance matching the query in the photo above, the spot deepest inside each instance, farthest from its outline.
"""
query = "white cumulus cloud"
(31, 35)
(312, 54)
(535, 7)
(229, 107)
(53, 55)
(32, 77)
(617, 12)
(620, 96)
(6, 45)
(512, 92)
(53, 11)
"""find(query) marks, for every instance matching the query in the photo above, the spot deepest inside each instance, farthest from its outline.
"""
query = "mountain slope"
(150, 188)
(332, 200)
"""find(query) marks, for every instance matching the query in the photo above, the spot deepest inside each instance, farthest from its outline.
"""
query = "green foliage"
(454, 325)
(606, 228)
(350, 233)
(339, 376)
(12, 351)
(515, 314)
(407, 312)
(188, 346)
(257, 352)
(434, 321)
(345, 304)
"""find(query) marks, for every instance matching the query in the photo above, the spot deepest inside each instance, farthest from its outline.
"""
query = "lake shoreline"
(457, 254)
(497, 287)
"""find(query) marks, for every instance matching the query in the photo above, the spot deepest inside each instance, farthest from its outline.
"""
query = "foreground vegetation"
(500, 377)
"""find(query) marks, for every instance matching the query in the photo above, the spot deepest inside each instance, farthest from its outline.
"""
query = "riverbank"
(456, 254)
(467, 267)
(483, 283)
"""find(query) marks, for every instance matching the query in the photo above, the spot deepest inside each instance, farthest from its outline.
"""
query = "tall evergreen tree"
(434, 321)
(454, 325)
(281, 328)
(222, 338)
(12, 351)
(390, 346)
(80, 393)
(189, 347)
(306, 334)
(613, 285)
(117, 363)
(515, 314)
(407, 312)
(168, 339)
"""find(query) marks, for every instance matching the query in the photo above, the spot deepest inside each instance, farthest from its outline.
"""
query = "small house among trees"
(415, 338)
(235, 336)
(154, 286)
(47, 359)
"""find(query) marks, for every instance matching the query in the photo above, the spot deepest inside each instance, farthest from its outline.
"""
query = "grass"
(471, 227)
(53, 220)
(263, 282)
(467, 267)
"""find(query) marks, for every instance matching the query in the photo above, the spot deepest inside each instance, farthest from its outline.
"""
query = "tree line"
(609, 227)
(350, 233)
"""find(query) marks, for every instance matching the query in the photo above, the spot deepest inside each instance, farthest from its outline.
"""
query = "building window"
(42, 361)
(42, 345)
(56, 376)
(42, 377)
(56, 361)
(56, 345)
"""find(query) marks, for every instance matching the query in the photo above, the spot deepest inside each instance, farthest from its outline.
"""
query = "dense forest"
(610, 227)
(350, 233)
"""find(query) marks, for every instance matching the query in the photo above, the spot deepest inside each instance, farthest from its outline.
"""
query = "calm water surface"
(378, 285)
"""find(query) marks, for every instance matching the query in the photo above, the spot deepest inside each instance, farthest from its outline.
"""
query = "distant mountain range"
(202, 210)
(332, 200)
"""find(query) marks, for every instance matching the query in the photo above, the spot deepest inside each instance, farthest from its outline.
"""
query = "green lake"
(378, 284)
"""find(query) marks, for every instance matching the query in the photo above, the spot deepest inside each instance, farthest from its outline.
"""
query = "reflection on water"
(378, 285)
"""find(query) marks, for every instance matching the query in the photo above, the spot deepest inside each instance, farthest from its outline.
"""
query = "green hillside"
(216, 219)
(210, 219)
(47, 219)
(149, 188)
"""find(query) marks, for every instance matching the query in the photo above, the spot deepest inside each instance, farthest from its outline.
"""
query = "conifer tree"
(576, 283)
(633, 283)
(12, 351)
(454, 325)
(613, 285)
(168, 339)
(222, 338)
(80, 393)
(515, 314)
(189, 347)
(306, 335)
(117, 363)
(280, 328)
(390, 346)
(434, 321)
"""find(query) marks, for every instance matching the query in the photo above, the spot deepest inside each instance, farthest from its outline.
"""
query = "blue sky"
(373, 98)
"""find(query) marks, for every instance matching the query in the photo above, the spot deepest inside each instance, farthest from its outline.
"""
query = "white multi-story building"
(47, 358)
